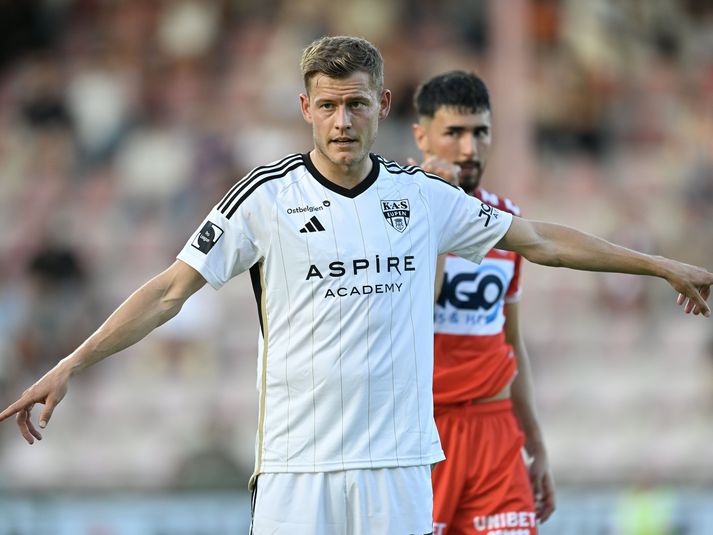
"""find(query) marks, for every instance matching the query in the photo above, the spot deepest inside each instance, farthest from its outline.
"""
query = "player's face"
(462, 139)
(344, 114)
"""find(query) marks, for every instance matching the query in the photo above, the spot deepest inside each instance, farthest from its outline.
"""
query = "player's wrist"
(663, 267)
(70, 366)
(536, 448)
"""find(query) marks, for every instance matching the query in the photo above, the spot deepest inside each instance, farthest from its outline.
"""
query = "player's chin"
(468, 184)
(347, 154)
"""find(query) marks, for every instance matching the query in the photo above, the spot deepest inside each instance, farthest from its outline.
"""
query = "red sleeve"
(514, 291)
(505, 204)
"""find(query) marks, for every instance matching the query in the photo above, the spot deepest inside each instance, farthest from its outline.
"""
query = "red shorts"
(482, 488)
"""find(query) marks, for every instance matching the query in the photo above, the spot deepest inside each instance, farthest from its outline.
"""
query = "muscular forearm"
(523, 400)
(555, 245)
(560, 246)
(523, 390)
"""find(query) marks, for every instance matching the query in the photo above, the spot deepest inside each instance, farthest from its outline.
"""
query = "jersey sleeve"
(467, 226)
(225, 245)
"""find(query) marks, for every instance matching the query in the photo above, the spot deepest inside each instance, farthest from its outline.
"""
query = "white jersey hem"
(271, 468)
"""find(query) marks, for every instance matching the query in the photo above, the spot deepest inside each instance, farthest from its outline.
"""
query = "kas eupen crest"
(397, 213)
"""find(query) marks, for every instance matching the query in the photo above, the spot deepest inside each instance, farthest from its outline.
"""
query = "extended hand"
(693, 285)
(49, 390)
(543, 487)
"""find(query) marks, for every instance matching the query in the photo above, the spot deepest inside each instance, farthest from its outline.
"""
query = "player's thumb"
(46, 414)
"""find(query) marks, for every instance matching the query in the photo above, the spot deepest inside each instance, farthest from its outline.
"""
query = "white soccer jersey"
(344, 284)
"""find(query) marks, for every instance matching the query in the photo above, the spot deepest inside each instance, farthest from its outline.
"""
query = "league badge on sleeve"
(397, 213)
(207, 237)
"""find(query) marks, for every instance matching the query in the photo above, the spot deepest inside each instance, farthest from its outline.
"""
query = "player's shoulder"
(276, 169)
(501, 203)
(413, 172)
(263, 180)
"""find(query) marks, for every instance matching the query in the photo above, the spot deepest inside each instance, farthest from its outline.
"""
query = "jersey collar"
(351, 193)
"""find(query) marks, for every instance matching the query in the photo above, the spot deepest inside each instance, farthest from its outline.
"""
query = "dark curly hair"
(458, 89)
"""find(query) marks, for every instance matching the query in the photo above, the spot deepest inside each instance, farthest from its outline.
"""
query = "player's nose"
(343, 118)
(469, 146)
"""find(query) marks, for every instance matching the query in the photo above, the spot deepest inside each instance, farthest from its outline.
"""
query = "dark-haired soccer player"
(341, 246)
(481, 370)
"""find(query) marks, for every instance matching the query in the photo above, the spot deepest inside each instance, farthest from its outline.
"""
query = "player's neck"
(345, 176)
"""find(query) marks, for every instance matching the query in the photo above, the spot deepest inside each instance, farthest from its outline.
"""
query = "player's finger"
(696, 302)
(21, 420)
(33, 430)
(547, 504)
(545, 511)
(697, 305)
(16, 407)
(50, 404)
(697, 297)
(703, 310)
(681, 299)
(688, 307)
(704, 294)
(411, 161)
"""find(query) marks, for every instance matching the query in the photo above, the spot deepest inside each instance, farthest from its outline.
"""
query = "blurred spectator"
(210, 465)
(58, 308)
(625, 295)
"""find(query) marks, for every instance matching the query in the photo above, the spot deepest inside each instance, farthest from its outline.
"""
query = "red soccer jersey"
(472, 358)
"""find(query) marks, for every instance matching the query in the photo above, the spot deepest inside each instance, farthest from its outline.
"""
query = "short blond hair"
(341, 56)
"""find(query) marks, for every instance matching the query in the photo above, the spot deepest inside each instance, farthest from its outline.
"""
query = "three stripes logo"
(313, 225)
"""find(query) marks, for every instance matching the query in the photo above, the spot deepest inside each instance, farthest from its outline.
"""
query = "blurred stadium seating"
(121, 123)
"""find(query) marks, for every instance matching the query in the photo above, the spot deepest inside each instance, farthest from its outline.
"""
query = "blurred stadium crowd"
(123, 122)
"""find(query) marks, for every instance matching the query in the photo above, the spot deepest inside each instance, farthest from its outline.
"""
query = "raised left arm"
(554, 245)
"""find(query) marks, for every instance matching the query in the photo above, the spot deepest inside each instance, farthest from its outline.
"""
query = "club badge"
(397, 213)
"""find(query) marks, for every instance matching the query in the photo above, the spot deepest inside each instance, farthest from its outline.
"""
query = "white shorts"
(389, 501)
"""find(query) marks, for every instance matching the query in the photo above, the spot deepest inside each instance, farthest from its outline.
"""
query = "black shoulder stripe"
(255, 173)
(436, 177)
(254, 184)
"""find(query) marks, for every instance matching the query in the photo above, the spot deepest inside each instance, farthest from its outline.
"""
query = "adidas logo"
(313, 225)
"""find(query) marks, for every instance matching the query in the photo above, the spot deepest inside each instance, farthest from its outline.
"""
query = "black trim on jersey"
(257, 290)
(411, 170)
(253, 502)
(280, 169)
(254, 184)
(229, 197)
(361, 187)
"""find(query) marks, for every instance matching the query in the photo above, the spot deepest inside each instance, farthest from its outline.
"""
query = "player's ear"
(419, 136)
(304, 106)
(384, 103)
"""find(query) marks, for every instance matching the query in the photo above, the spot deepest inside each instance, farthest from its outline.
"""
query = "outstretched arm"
(556, 245)
(523, 401)
(153, 304)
